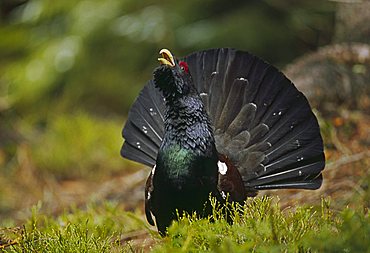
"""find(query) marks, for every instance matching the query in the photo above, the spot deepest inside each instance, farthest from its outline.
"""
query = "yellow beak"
(167, 58)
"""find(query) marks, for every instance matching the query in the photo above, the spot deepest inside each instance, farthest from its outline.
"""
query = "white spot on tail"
(222, 168)
(149, 196)
(152, 112)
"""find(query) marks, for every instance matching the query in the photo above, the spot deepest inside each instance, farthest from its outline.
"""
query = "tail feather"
(243, 119)
(248, 97)
(216, 96)
(141, 141)
(144, 127)
(131, 152)
(258, 133)
(297, 183)
(232, 105)
(298, 172)
(275, 86)
(300, 139)
(283, 161)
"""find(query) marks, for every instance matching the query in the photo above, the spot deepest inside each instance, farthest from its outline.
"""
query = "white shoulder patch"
(153, 170)
(222, 168)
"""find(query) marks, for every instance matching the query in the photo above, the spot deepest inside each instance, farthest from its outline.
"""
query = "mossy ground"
(258, 226)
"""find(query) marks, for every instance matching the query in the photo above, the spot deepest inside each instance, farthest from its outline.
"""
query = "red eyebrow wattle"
(184, 65)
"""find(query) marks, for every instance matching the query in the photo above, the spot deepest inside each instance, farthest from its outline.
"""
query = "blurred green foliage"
(98, 54)
(87, 148)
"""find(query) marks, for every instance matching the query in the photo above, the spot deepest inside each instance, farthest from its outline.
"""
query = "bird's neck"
(187, 125)
(188, 154)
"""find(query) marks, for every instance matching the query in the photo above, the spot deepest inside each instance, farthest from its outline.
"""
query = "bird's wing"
(262, 123)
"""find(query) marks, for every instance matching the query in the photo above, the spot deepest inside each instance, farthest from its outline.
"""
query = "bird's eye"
(184, 66)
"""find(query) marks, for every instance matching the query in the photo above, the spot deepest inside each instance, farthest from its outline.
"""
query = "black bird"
(220, 122)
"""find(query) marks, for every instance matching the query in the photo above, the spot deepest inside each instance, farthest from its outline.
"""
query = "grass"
(259, 226)
(95, 229)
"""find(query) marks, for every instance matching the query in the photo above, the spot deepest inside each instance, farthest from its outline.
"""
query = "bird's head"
(172, 77)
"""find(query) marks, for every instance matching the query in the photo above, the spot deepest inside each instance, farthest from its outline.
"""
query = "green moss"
(96, 229)
(260, 226)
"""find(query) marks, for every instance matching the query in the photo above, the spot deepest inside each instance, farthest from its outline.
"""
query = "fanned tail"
(262, 122)
(144, 127)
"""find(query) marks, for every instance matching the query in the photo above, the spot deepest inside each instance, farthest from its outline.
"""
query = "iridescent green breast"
(176, 162)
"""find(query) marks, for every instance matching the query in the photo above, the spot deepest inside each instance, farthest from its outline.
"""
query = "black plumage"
(217, 108)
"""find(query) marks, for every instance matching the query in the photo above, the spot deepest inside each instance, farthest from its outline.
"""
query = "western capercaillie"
(220, 122)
